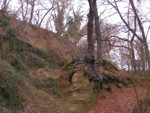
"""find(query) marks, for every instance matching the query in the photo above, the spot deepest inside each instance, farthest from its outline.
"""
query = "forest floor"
(119, 101)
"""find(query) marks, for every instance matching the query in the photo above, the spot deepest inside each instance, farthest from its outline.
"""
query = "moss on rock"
(109, 66)
(81, 98)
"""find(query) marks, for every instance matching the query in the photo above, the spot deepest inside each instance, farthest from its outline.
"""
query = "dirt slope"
(120, 101)
(37, 87)
(38, 91)
(42, 39)
(45, 40)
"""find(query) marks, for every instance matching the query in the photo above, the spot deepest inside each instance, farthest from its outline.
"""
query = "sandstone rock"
(81, 98)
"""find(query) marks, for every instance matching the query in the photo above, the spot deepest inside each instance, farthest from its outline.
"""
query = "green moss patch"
(47, 84)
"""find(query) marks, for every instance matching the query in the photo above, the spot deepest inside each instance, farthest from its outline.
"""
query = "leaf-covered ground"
(120, 101)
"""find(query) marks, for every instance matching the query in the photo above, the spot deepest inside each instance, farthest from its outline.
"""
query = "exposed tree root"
(102, 81)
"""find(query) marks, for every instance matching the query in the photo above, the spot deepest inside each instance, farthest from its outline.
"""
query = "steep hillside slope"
(32, 79)
(40, 38)
(30, 58)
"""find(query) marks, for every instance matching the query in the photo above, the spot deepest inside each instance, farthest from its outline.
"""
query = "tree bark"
(98, 35)
(133, 57)
(32, 11)
(142, 57)
(90, 48)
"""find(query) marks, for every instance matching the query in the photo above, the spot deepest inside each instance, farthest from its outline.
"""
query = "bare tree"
(5, 5)
(24, 6)
(50, 9)
(142, 36)
(141, 54)
(59, 18)
(32, 3)
(59, 15)
(73, 27)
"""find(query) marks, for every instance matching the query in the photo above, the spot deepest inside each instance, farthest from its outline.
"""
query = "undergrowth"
(9, 94)
(49, 85)
(4, 21)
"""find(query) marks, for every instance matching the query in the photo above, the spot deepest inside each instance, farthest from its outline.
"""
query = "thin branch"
(147, 32)
(46, 14)
(117, 9)
(119, 46)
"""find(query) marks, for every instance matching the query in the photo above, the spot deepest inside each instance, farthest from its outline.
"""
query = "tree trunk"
(147, 54)
(144, 39)
(98, 35)
(90, 48)
(133, 58)
(142, 56)
(32, 11)
(5, 5)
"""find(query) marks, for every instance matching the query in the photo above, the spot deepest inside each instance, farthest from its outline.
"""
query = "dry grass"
(44, 40)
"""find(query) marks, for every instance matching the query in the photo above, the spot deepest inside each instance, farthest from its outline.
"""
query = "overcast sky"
(104, 10)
